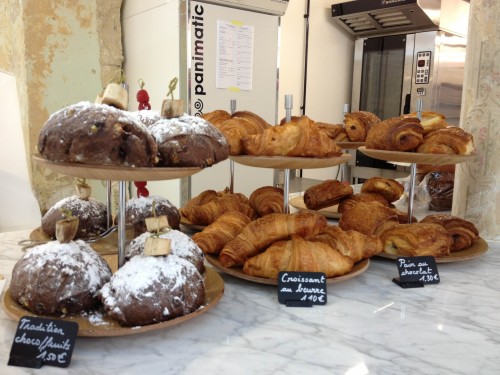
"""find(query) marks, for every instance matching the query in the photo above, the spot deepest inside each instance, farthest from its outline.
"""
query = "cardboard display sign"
(417, 271)
(42, 341)
(302, 289)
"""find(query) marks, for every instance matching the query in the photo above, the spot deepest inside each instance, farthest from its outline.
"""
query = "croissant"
(396, 134)
(297, 254)
(462, 232)
(417, 239)
(325, 194)
(206, 214)
(352, 244)
(261, 233)
(389, 188)
(199, 200)
(430, 121)
(252, 117)
(295, 138)
(334, 131)
(347, 203)
(216, 235)
(267, 200)
(216, 117)
(371, 218)
(451, 140)
(357, 124)
(235, 128)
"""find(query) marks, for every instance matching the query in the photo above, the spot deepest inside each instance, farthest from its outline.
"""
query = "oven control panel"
(423, 67)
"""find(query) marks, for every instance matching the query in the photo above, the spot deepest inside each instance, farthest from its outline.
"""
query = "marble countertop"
(369, 326)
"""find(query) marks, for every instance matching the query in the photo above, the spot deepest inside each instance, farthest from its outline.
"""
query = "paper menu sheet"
(234, 55)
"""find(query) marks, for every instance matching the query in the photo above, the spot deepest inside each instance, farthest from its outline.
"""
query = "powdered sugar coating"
(140, 208)
(147, 116)
(98, 134)
(148, 290)
(180, 244)
(102, 109)
(185, 125)
(59, 277)
(91, 213)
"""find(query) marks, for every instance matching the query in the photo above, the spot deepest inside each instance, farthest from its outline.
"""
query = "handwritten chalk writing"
(313, 298)
(46, 356)
(301, 289)
(27, 340)
(41, 327)
(419, 271)
(42, 341)
(299, 279)
(416, 269)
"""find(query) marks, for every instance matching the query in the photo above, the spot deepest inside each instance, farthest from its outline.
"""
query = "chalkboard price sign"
(420, 269)
(302, 289)
(41, 341)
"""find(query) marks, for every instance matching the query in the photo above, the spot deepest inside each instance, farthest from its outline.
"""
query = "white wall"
(151, 46)
(329, 68)
(18, 206)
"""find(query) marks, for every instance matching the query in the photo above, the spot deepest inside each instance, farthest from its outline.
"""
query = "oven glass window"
(382, 75)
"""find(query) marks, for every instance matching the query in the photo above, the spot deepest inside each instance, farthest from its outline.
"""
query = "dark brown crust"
(96, 134)
(451, 140)
(326, 194)
(357, 124)
(396, 134)
(462, 232)
(389, 188)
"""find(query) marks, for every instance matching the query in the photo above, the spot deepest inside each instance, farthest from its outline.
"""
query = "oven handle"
(406, 108)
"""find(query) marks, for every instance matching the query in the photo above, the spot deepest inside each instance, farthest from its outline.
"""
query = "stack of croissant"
(431, 134)
(209, 205)
(249, 134)
(277, 242)
(436, 235)
(333, 192)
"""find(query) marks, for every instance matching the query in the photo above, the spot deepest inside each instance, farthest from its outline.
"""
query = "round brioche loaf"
(188, 141)
(149, 290)
(59, 278)
(97, 134)
(91, 214)
(180, 244)
(138, 209)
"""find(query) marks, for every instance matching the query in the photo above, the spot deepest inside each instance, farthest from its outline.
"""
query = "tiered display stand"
(479, 246)
(286, 163)
(214, 285)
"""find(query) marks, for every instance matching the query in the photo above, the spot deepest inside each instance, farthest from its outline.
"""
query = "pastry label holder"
(42, 341)
(415, 272)
(302, 289)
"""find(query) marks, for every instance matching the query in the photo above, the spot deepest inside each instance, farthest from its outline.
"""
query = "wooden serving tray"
(288, 162)
(114, 172)
(358, 269)
(478, 248)
(349, 145)
(328, 212)
(413, 157)
(93, 325)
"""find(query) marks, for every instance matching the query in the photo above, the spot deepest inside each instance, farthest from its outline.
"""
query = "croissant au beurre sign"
(302, 288)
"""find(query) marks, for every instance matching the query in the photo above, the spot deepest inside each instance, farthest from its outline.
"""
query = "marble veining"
(369, 326)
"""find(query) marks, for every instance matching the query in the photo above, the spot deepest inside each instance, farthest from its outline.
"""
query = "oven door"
(383, 74)
(382, 79)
